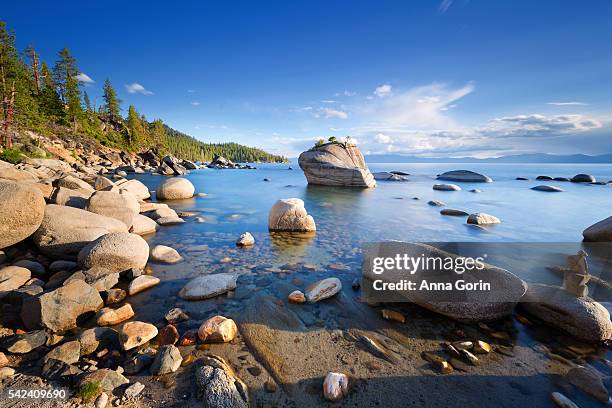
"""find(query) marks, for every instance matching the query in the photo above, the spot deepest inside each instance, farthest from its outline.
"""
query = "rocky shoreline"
(72, 257)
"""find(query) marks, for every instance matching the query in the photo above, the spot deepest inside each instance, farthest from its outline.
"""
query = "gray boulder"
(207, 286)
(550, 189)
(446, 187)
(167, 360)
(64, 231)
(583, 318)
(336, 164)
(465, 175)
(122, 207)
(117, 252)
(583, 178)
(69, 197)
(219, 386)
(175, 189)
(599, 232)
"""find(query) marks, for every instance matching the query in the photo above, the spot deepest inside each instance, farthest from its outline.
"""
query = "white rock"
(289, 214)
(165, 254)
(117, 252)
(446, 187)
(175, 189)
(207, 286)
(245, 239)
(142, 225)
(482, 219)
(12, 277)
(323, 289)
(335, 386)
(22, 210)
(143, 282)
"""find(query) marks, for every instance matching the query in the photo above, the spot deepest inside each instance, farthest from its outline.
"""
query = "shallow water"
(239, 201)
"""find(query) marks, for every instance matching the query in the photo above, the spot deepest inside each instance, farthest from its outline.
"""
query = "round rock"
(23, 209)
(117, 252)
(175, 189)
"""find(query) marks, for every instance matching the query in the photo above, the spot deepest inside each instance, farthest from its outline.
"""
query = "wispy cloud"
(346, 93)
(445, 5)
(328, 101)
(195, 103)
(84, 78)
(190, 91)
(383, 90)
(567, 103)
(331, 113)
(135, 87)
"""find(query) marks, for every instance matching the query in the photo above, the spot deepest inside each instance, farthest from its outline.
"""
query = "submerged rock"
(165, 254)
(289, 214)
(142, 283)
(323, 289)
(23, 208)
(454, 213)
(583, 318)
(436, 203)
(388, 176)
(207, 286)
(590, 381)
(296, 297)
(551, 189)
(465, 175)
(245, 239)
(336, 164)
(599, 232)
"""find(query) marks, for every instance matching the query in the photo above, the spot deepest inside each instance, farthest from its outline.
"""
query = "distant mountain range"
(518, 158)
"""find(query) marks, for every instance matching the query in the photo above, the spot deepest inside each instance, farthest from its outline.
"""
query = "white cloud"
(328, 101)
(383, 90)
(346, 93)
(331, 113)
(536, 125)
(382, 139)
(84, 78)
(567, 103)
(195, 103)
(137, 88)
(445, 5)
(190, 91)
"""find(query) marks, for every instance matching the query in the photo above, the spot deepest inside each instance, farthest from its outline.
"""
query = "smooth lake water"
(239, 201)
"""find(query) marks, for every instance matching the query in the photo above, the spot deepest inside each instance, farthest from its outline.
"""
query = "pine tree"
(65, 72)
(49, 99)
(87, 102)
(159, 135)
(113, 104)
(135, 127)
(34, 66)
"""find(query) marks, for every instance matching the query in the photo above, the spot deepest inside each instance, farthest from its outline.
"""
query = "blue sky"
(433, 78)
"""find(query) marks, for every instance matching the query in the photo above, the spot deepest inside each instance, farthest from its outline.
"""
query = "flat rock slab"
(550, 189)
(465, 175)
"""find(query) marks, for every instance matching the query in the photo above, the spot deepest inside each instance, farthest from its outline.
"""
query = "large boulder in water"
(465, 175)
(336, 164)
(583, 178)
(599, 232)
(583, 318)
(289, 214)
(22, 208)
(64, 231)
(468, 306)
(117, 252)
(175, 189)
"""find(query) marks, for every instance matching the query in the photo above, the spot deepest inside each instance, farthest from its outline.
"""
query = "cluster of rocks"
(69, 237)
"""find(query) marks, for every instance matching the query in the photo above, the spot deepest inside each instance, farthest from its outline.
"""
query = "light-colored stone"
(170, 221)
(74, 183)
(217, 329)
(599, 232)
(336, 165)
(22, 210)
(289, 214)
(207, 286)
(142, 283)
(219, 386)
(245, 239)
(175, 189)
(64, 231)
(335, 386)
(68, 352)
(583, 318)
(165, 254)
(323, 289)
(58, 310)
(102, 183)
(134, 334)
(482, 219)
(589, 380)
(16, 175)
(137, 188)
(296, 297)
(107, 379)
(133, 390)
(117, 252)
(6, 372)
(93, 339)
(70, 198)
(114, 205)
(142, 225)
(102, 400)
(111, 317)
(12, 277)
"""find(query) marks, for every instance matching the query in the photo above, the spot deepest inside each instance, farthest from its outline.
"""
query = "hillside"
(51, 100)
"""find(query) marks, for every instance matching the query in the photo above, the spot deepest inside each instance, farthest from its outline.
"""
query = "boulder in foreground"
(289, 214)
(583, 318)
(464, 175)
(207, 286)
(219, 386)
(64, 231)
(599, 232)
(22, 208)
(336, 164)
(58, 310)
(117, 252)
